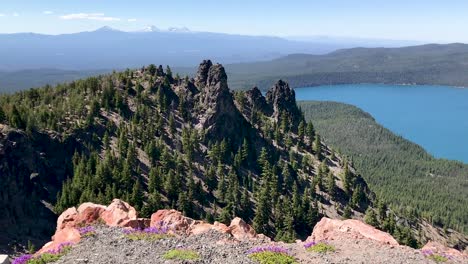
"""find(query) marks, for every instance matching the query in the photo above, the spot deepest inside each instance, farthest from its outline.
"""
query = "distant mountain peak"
(150, 28)
(179, 29)
(106, 29)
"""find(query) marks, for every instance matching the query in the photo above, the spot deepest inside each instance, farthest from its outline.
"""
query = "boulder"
(140, 223)
(240, 230)
(118, 213)
(89, 213)
(65, 235)
(67, 218)
(4, 259)
(172, 219)
(438, 248)
(334, 229)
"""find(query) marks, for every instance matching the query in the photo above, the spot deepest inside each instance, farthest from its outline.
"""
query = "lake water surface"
(435, 117)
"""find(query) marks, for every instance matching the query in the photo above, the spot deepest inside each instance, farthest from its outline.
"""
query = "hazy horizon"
(398, 20)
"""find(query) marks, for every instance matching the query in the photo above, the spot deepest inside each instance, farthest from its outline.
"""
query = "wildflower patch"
(271, 255)
(320, 247)
(47, 257)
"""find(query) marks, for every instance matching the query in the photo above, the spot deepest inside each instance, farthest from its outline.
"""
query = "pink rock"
(241, 230)
(88, 213)
(334, 229)
(117, 213)
(140, 223)
(438, 248)
(65, 235)
(173, 219)
(200, 228)
(67, 218)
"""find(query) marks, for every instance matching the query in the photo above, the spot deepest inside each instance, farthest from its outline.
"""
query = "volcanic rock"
(283, 100)
(334, 229)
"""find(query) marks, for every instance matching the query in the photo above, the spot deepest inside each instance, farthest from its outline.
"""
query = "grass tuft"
(181, 254)
(268, 257)
(320, 247)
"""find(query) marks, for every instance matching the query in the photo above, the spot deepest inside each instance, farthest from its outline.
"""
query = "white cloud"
(47, 12)
(15, 14)
(2, 15)
(132, 20)
(90, 16)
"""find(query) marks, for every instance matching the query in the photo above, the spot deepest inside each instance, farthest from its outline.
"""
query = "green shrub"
(321, 248)
(437, 258)
(268, 257)
(182, 254)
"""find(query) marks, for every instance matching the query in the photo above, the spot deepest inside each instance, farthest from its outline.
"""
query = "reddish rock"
(438, 248)
(333, 229)
(240, 230)
(88, 213)
(67, 218)
(65, 235)
(140, 223)
(173, 219)
(117, 213)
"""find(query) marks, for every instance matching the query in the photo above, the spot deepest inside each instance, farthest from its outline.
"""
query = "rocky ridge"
(188, 135)
(354, 241)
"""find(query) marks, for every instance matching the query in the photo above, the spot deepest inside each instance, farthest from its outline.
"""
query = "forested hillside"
(399, 171)
(161, 141)
(427, 64)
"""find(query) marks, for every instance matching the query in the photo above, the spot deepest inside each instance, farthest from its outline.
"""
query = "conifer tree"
(301, 130)
(331, 185)
(371, 218)
(310, 131)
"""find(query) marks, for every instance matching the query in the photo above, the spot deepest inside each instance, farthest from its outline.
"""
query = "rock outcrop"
(283, 100)
(334, 229)
(257, 101)
(218, 113)
(118, 213)
(179, 223)
(32, 168)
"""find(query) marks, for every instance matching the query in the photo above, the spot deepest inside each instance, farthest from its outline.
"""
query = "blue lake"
(435, 117)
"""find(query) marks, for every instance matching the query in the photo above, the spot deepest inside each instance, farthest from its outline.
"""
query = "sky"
(428, 20)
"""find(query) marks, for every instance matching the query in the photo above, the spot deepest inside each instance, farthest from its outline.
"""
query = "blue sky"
(437, 21)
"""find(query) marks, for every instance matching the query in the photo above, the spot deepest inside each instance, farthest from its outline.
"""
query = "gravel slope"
(110, 246)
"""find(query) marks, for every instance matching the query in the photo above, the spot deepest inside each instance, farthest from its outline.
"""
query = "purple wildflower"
(310, 244)
(60, 248)
(271, 248)
(87, 230)
(22, 259)
(157, 230)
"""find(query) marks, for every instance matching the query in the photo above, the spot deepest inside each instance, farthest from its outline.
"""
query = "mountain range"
(433, 64)
(108, 48)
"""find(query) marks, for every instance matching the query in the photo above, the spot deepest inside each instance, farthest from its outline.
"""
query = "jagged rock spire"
(283, 99)
(217, 111)
(257, 101)
(202, 73)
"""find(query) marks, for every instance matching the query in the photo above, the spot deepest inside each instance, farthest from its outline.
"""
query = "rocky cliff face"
(32, 169)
